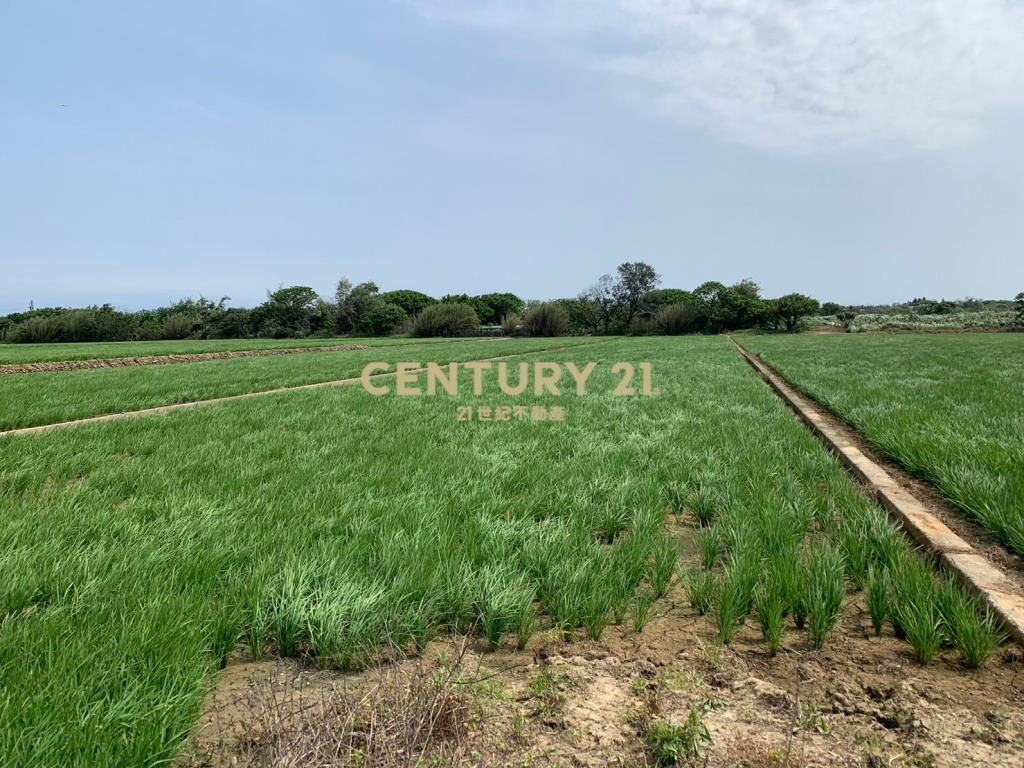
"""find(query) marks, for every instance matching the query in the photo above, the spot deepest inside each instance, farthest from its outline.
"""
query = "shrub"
(511, 325)
(445, 320)
(790, 310)
(546, 320)
(677, 319)
(177, 326)
(383, 319)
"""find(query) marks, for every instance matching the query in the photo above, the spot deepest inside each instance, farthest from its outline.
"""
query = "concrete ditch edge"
(955, 554)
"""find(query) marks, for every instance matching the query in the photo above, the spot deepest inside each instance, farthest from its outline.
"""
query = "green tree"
(583, 317)
(1019, 301)
(792, 308)
(446, 319)
(660, 298)
(383, 319)
(412, 302)
(747, 287)
(289, 311)
(712, 296)
(603, 302)
(491, 308)
(364, 310)
(635, 280)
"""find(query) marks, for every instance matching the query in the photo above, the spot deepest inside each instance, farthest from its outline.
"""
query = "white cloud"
(796, 73)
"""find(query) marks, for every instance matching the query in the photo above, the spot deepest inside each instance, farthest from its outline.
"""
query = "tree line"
(630, 301)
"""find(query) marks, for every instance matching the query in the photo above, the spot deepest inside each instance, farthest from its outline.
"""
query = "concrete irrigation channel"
(1003, 592)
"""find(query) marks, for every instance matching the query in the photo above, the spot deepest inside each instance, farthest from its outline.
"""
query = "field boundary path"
(162, 410)
(1003, 592)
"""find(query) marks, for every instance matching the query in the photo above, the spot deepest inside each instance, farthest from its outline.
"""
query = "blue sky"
(856, 150)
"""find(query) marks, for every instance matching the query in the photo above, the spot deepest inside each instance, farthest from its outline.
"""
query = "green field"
(42, 353)
(139, 555)
(29, 399)
(948, 408)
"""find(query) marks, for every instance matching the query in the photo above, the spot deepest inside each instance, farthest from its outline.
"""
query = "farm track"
(163, 410)
(959, 545)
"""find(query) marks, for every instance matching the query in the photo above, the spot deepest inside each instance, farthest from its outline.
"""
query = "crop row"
(45, 398)
(142, 554)
(946, 408)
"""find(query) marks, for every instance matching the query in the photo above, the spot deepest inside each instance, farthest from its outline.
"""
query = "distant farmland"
(640, 560)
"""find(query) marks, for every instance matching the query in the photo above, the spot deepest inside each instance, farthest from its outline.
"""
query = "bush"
(383, 319)
(511, 325)
(69, 325)
(677, 319)
(790, 310)
(445, 320)
(235, 323)
(547, 320)
(177, 326)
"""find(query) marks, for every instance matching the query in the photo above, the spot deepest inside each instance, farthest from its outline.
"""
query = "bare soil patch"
(199, 357)
(861, 701)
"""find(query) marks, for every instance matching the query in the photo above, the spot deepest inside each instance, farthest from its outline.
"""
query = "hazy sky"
(856, 150)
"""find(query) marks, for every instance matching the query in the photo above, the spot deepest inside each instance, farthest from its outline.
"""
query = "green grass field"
(948, 408)
(139, 555)
(29, 399)
(41, 353)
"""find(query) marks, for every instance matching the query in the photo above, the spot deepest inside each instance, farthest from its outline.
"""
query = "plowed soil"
(860, 701)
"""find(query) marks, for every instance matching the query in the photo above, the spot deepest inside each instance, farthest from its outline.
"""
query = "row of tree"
(630, 301)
